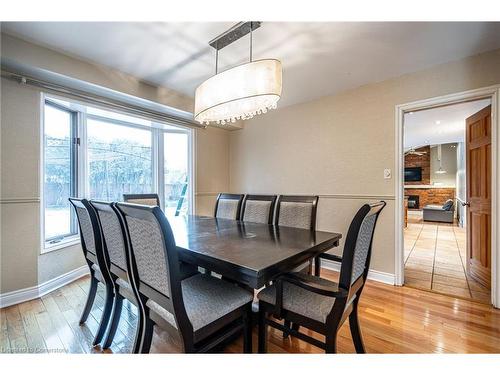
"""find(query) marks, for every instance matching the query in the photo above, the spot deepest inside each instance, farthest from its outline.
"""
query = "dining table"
(252, 254)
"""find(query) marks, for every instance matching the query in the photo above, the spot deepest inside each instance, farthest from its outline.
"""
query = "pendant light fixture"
(440, 170)
(241, 92)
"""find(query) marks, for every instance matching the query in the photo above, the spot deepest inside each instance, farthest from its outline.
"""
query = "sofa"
(442, 214)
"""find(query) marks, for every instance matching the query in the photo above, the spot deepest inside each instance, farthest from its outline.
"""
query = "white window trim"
(83, 186)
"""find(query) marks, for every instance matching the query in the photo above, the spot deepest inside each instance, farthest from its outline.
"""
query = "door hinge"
(76, 141)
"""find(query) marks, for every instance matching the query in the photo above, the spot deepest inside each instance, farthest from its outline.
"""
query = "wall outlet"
(387, 174)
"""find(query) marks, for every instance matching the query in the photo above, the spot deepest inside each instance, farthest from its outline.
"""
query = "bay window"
(100, 154)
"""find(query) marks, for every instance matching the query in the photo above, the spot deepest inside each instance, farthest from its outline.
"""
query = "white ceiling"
(318, 58)
(422, 128)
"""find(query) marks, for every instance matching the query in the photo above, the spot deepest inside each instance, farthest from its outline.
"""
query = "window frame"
(52, 243)
(80, 160)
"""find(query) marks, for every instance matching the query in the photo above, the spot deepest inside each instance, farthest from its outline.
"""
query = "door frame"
(492, 92)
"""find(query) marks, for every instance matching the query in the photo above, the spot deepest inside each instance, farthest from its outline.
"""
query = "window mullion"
(159, 171)
(75, 178)
(83, 186)
(191, 172)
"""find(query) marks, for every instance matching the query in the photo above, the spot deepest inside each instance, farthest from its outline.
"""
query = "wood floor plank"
(48, 330)
(4, 336)
(34, 337)
(393, 320)
(64, 331)
(15, 330)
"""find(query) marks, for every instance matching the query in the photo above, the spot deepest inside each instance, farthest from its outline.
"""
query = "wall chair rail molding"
(27, 294)
(19, 200)
(358, 196)
(205, 193)
(492, 92)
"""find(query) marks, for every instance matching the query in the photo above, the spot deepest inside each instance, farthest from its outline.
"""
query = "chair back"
(228, 206)
(153, 261)
(258, 208)
(358, 246)
(112, 230)
(298, 211)
(90, 235)
(145, 199)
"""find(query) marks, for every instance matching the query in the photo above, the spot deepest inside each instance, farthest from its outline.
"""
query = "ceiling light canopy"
(241, 92)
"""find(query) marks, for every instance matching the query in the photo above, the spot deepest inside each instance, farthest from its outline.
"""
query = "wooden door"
(478, 154)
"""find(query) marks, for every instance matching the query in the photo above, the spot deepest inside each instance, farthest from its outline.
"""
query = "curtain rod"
(100, 100)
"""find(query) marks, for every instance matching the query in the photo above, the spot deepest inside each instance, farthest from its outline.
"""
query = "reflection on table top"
(249, 245)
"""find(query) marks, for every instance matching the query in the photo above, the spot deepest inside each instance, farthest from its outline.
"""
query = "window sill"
(67, 242)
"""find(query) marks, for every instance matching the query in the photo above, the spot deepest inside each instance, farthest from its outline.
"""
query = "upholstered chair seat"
(301, 301)
(125, 289)
(98, 273)
(206, 299)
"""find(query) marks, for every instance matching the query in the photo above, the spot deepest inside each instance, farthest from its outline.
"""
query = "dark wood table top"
(250, 253)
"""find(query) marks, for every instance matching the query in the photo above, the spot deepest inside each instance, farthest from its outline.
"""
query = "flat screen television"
(413, 174)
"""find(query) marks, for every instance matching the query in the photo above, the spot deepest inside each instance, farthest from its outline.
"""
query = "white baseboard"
(23, 295)
(382, 277)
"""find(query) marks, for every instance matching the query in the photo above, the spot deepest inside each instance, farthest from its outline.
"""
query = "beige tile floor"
(435, 259)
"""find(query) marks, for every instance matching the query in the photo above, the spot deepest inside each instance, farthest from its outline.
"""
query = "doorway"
(448, 232)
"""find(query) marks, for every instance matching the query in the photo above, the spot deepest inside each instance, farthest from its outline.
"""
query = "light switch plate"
(387, 174)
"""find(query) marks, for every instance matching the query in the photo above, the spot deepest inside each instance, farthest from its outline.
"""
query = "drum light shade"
(239, 93)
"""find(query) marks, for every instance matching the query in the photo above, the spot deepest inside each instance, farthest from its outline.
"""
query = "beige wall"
(21, 265)
(212, 167)
(341, 144)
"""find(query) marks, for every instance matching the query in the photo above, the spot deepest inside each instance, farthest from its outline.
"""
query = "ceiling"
(318, 59)
(439, 125)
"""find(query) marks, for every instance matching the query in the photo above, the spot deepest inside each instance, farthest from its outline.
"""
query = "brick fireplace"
(430, 195)
(422, 193)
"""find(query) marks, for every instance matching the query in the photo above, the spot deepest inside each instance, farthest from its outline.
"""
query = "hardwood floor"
(393, 320)
(435, 259)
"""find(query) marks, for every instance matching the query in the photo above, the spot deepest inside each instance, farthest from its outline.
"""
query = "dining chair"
(116, 258)
(228, 206)
(298, 211)
(201, 310)
(91, 242)
(322, 305)
(258, 208)
(146, 199)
